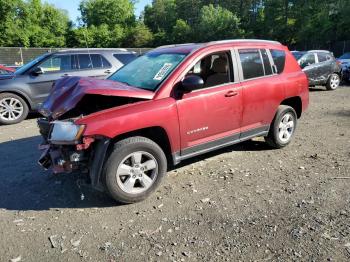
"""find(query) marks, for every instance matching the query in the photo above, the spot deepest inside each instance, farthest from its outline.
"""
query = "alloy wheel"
(137, 172)
(334, 81)
(286, 128)
(10, 109)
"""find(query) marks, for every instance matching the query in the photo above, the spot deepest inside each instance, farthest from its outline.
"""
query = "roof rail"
(93, 49)
(244, 40)
(174, 45)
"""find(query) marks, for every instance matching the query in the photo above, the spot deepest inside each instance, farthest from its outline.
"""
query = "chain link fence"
(18, 56)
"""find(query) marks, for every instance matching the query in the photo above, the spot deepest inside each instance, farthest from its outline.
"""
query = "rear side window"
(90, 61)
(252, 64)
(267, 65)
(125, 58)
(279, 58)
(322, 57)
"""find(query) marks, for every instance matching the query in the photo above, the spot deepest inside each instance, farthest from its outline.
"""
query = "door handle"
(231, 93)
(65, 75)
(108, 71)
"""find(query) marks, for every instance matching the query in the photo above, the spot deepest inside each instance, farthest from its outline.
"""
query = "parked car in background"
(344, 61)
(321, 68)
(6, 70)
(298, 54)
(173, 103)
(28, 86)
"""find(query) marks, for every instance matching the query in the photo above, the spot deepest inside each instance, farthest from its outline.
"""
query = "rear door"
(263, 89)
(325, 65)
(92, 65)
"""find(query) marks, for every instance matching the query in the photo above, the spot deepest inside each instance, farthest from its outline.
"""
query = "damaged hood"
(68, 91)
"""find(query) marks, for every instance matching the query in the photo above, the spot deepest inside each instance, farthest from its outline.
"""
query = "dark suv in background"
(320, 66)
(28, 87)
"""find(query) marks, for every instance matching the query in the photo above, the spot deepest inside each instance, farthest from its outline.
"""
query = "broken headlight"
(66, 132)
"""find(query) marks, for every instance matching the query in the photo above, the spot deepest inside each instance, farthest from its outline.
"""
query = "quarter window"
(279, 58)
(252, 65)
(90, 61)
(57, 63)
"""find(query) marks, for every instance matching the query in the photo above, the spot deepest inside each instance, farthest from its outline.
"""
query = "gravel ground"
(244, 203)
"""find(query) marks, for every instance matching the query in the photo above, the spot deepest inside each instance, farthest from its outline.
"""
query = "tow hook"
(86, 143)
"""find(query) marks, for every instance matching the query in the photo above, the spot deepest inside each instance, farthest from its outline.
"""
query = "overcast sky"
(72, 6)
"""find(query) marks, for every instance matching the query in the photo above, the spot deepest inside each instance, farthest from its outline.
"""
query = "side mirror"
(37, 71)
(192, 82)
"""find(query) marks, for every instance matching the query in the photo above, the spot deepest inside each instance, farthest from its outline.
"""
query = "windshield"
(148, 71)
(345, 56)
(24, 68)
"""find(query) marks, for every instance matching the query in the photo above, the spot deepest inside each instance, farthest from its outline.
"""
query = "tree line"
(112, 23)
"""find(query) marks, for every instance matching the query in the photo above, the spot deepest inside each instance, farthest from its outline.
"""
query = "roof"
(320, 51)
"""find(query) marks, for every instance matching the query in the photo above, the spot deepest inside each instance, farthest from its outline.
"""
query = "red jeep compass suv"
(172, 103)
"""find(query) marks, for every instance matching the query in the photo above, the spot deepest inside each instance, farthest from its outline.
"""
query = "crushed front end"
(63, 147)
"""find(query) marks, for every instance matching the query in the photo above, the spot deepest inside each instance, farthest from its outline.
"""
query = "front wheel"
(333, 82)
(134, 169)
(13, 109)
(282, 127)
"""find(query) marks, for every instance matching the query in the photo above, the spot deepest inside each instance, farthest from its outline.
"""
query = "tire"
(13, 109)
(333, 82)
(281, 133)
(127, 177)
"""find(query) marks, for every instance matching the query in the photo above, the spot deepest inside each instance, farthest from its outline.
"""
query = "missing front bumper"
(62, 159)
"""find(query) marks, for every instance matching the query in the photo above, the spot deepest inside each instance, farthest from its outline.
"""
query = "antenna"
(87, 47)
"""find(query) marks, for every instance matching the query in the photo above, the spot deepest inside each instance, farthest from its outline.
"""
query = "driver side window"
(306, 60)
(57, 63)
(214, 69)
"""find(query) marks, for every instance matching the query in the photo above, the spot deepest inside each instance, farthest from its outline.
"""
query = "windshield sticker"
(161, 73)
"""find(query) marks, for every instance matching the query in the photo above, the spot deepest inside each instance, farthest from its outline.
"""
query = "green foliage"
(161, 16)
(217, 23)
(139, 36)
(181, 32)
(112, 23)
(31, 23)
(109, 12)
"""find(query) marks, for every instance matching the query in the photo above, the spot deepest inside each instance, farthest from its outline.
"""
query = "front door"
(53, 68)
(211, 116)
(308, 63)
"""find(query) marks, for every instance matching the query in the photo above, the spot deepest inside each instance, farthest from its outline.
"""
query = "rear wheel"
(134, 169)
(333, 82)
(282, 127)
(13, 109)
